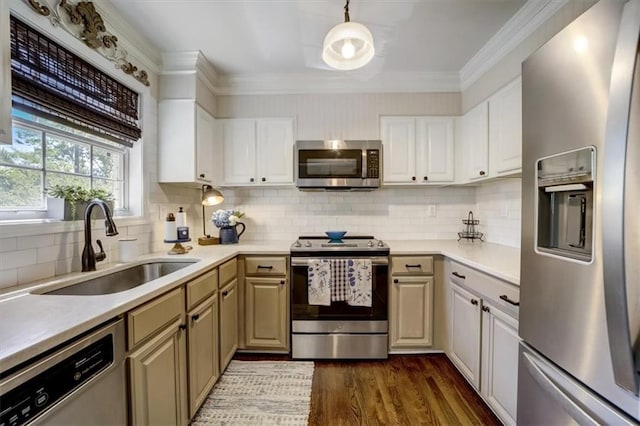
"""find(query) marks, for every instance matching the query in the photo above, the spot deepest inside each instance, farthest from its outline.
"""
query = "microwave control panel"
(373, 163)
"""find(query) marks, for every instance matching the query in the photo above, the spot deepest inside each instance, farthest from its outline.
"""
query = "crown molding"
(191, 62)
(334, 82)
(528, 19)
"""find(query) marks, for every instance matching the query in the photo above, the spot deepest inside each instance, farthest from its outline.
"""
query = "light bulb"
(348, 49)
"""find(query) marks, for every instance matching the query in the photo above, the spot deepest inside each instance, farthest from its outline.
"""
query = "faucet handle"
(101, 255)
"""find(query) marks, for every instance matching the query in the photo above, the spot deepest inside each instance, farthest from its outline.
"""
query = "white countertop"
(33, 323)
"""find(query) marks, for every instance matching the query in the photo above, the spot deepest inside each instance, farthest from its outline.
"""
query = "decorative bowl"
(335, 235)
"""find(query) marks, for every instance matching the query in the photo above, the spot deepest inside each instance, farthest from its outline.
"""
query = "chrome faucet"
(89, 257)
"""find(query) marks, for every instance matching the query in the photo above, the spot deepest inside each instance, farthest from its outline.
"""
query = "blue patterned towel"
(319, 282)
(359, 276)
(339, 280)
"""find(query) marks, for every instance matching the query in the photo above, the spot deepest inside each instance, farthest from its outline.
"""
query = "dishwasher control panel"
(25, 402)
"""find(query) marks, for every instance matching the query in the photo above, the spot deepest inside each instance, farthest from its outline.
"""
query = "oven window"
(343, 163)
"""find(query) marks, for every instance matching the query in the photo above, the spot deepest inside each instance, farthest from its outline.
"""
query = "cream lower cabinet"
(266, 304)
(411, 304)
(483, 341)
(228, 322)
(465, 333)
(500, 343)
(204, 368)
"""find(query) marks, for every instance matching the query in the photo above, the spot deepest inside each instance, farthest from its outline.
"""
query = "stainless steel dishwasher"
(82, 382)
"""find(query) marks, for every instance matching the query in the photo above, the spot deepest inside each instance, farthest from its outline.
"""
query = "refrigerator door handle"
(621, 289)
(554, 391)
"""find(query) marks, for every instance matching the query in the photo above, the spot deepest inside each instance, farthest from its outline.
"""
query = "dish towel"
(359, 276)
(339, 280)
(319, 282)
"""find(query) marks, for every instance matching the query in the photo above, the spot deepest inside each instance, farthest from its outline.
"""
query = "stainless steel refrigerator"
(580, 263)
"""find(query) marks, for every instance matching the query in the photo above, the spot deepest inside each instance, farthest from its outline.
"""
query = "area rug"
(259, 393)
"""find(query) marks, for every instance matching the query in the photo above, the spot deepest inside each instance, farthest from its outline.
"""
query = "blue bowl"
(335, 235)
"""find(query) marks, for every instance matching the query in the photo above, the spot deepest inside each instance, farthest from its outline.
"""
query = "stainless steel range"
(341, 327)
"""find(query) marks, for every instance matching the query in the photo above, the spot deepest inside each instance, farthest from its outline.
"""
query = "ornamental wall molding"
(82, 20)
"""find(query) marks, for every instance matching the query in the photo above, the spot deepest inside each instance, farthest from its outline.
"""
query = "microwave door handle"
(621, 290)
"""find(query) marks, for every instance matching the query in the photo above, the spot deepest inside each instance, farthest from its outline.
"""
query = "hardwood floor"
(404, 390)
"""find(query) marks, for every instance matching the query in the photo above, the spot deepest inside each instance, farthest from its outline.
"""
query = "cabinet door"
(275, 149)
(239, 146)
(411, 322)
(228, 323)
(399, 144)
(157, 372)
(266, 313)
(500, 362)
(5, 74)
(205, 133)
(465, 333)
(434, 149)
(203, 352)
(505, 129)
(475, 136)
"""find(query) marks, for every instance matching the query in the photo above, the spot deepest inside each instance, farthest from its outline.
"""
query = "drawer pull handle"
(265, 267)
(474, 302)
(506, 299)
(462, 277)
(486, 309)
(406, 265)
(195, 317)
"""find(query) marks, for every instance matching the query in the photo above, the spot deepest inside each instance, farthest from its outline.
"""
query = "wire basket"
(470, 232)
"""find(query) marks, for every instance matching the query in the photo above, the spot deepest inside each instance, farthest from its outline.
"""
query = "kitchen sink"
(123, 280)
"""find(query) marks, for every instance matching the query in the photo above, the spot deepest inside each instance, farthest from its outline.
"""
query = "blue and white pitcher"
(230, 235)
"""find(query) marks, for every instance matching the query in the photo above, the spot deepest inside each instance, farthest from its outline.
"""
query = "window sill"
(24, 228)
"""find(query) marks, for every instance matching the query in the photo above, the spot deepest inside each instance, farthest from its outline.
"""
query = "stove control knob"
(370, 243)
(307, 244)
(297, 244)
(380, 243)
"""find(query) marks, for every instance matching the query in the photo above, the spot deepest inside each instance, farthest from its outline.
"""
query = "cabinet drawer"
(228, 271)
(412, 265)
(150, 317)
(266, 265)
(201, 288)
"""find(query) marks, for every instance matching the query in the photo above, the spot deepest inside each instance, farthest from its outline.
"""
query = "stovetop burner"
(349, 245)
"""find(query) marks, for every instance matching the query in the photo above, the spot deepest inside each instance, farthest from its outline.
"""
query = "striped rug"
(259, 393)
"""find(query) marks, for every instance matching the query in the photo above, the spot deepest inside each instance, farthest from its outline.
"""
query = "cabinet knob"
(282, 282)
(195, 317)
(182, 326)
(202, 175)
(251, 180)
(264, 179)
(486, 309)
(225, 293)
(425, 178)
(413, 178)
(482, 172)
(474, 302)
(396, 281)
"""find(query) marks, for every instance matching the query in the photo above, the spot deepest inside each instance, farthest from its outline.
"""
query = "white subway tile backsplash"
(8, 278)
(18, 258)
(27, 274)
(8, 244)
(35, 241)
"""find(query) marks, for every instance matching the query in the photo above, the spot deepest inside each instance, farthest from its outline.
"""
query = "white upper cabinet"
(475, 141)
(505, 129)
(187, 136)
(258, 151)
(417, 149)
(5, 74)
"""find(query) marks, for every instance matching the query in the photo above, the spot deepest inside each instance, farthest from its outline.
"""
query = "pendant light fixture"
(348, 45)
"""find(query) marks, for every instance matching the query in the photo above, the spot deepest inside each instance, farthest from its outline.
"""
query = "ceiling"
(253, 39)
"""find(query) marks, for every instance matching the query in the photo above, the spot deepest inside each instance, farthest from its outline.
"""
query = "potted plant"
(65, 201)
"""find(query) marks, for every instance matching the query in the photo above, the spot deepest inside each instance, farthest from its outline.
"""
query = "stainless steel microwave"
(338, 164)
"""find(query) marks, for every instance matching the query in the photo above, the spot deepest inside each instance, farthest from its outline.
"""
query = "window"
(46, 153)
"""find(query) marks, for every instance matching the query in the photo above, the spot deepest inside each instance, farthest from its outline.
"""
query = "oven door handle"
(304, 261)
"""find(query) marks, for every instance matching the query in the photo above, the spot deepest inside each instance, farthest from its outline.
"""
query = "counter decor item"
(335, 235)
(127, 249)
(171, 235)
(65, 201)
(470, 232)
(209, 197)
(227, 221)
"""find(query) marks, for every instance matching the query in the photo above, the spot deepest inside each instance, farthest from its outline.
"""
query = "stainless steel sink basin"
(123, 280)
